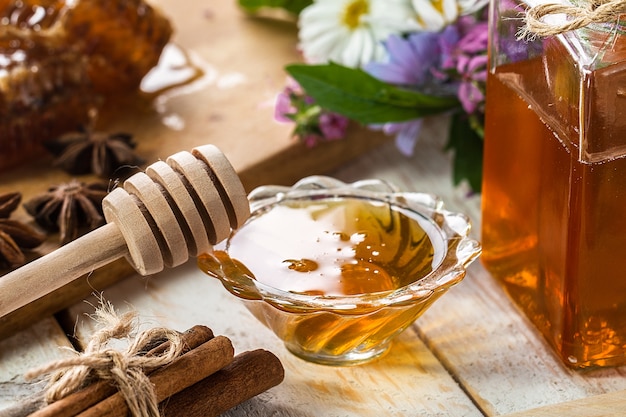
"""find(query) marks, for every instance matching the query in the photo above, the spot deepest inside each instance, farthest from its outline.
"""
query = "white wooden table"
(471, 354)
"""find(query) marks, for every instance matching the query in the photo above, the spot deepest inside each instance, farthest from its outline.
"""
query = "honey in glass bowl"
(337, 272)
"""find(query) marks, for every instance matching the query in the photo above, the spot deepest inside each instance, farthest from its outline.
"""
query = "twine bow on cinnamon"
(127, 370)
(578, 15)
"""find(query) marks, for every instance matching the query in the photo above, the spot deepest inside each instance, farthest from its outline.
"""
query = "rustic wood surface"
(471, 354)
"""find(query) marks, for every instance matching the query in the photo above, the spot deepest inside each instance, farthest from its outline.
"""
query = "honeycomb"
(60, 59)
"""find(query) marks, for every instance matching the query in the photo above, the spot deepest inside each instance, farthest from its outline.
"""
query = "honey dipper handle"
(178, 207)
(58, 268)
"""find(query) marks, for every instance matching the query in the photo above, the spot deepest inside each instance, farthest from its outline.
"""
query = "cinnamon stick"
(92, 394)
(183, 372)
(192, 338)
(250, 374)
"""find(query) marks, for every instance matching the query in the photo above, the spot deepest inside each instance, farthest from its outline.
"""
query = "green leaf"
(363, 98)
(292, 6)
(467, 145)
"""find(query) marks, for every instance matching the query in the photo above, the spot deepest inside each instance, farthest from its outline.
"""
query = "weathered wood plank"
(34, 346)
(603, 405)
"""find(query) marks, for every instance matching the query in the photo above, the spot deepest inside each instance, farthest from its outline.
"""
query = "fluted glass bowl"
(337, 270)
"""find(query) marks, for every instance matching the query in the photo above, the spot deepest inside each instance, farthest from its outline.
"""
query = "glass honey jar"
(554, 181)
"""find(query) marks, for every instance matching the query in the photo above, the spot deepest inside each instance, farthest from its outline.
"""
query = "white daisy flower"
(434, 15)
(471, 6)
(350, 32)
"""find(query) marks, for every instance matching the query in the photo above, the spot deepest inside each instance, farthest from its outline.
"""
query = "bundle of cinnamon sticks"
(206, 380)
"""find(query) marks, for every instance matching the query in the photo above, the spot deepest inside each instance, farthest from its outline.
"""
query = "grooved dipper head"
(177, 208)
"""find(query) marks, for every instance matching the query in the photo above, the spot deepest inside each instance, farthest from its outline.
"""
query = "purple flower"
(283, 107)
(313, 124)
(475, 40)
(409, 60)
(406, 134)
(451, 61)
(470, 96)
(332, 125)
(311, 139)
(447, 43)
(468, 58)
(467, 38)
(473, 71)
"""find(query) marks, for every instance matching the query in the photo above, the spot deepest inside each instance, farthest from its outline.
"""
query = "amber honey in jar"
(554, 185)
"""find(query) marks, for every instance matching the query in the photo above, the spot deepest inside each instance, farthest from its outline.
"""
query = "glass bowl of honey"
(338, 270)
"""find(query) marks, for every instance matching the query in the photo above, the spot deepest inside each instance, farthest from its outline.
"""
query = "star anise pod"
(69, 208)
(15, 236)
(88, 152)
(8, 203)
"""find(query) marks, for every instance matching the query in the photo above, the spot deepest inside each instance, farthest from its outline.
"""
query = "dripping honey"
(554, 229)
(332, 247)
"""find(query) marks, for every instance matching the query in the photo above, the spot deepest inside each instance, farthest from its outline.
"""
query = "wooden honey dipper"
(160, 217)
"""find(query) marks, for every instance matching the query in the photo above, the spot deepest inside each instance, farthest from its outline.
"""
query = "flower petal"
(407, 136)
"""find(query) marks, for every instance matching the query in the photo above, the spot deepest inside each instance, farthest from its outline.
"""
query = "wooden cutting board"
(217, 83)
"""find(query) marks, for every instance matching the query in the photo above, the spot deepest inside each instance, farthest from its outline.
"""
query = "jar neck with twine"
(579, 15)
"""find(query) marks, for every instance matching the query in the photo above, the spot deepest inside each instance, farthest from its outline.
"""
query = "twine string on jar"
(579, 15)
(127, 370)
